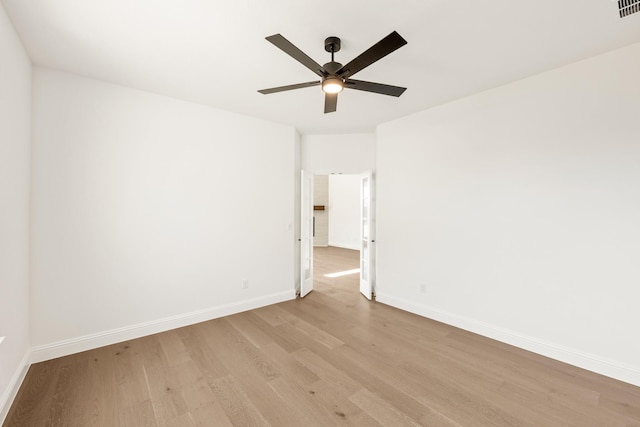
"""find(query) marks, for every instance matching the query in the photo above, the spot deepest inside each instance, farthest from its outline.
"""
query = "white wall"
(518, 210)
(149, 212)
(15, 131)
(344, 211)
(346, 153)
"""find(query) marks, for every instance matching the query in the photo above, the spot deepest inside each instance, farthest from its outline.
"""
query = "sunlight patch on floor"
(343, 273)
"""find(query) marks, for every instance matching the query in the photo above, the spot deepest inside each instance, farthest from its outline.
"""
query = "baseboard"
(88, 342)
(14, 385)
(603, 366)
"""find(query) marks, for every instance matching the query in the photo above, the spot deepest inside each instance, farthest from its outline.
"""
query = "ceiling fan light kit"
(332, 85)
(334, 76)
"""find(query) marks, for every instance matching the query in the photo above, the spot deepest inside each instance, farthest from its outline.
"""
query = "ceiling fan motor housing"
(332, 44)
(332, 67)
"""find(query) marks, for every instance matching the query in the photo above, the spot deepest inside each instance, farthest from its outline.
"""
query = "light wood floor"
(332, 358)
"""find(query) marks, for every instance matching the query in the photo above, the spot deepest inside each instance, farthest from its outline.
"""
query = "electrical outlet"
(245, 284)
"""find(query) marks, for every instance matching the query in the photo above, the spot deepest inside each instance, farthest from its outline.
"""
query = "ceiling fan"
(335, 76)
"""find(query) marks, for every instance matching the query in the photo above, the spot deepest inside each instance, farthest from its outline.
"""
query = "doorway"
(342, 233)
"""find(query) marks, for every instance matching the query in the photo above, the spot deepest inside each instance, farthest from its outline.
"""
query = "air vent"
(628, 7)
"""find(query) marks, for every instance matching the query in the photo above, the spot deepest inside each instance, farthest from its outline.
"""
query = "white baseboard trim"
(600, 365)
(14, 385)
(89, 342)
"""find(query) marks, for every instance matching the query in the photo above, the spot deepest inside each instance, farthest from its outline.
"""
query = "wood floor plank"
(239, 354)
(244, 324)
(335, 401)
(278, 336)
(303, 406)
(203, 353)
(210, 415)
(38, 386)
(274, 315)
(394, 389)
(316, 333)
(327, 371)
(131, 388)
(423, 398)
(332, 358)
(237, 405)
(169, 408)
(62, 395)
(167, 379)
(139, 414)
(287, 364)
(381, 410)
(173, 347)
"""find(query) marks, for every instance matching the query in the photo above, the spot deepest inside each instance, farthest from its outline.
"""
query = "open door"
(367, 238)
(306, 234)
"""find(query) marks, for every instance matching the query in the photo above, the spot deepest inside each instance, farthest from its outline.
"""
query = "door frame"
(306, 232)
(367, 235)
(299, 215)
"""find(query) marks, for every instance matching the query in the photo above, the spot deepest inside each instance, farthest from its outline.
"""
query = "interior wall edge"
(590, 362)
(62, 348)
(11, 391)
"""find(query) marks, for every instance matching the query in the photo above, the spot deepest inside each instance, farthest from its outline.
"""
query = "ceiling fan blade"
(330, 102)
(290, 49)
(379, 50)
(374, 87)
(289, 87)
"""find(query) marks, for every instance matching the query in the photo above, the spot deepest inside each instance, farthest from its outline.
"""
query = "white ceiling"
(214, 52)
